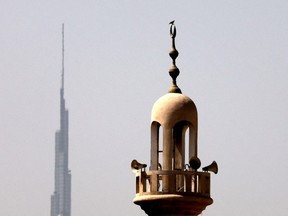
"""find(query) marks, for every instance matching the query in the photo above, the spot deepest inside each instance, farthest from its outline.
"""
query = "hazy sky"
(234, 65)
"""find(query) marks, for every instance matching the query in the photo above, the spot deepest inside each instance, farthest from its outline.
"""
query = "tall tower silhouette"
(61, 198)
(172, 186)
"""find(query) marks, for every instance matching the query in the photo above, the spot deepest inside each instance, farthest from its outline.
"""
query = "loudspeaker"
(213, 167)
(194, 162)
(135, 165)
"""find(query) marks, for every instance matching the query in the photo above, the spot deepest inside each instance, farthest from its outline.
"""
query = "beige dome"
(173, 108)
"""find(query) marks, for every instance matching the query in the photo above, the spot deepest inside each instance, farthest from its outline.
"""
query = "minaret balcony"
(172, 192)
(158, 182)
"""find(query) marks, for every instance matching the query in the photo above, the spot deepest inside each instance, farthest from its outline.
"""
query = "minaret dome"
(173, 108)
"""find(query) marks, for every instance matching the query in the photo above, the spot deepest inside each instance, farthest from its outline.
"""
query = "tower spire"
(61, 198)
(173, 71)
(62, 73)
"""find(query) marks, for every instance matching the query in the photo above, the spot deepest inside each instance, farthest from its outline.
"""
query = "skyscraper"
(61, 198)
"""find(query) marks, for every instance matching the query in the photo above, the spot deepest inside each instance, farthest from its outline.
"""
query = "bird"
(172, 22)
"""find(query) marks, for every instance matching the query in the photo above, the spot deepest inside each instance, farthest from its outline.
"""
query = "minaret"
(61, 198)
(172, 186)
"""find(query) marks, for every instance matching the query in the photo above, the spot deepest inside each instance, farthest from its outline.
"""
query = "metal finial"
(173, 71)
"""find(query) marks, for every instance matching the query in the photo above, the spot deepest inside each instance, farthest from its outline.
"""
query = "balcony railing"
(172, 182)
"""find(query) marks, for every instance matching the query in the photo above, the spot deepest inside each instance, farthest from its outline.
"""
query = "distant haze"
(233, 61)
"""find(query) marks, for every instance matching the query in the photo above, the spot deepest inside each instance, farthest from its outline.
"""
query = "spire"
(62, 73)
(173, 71)
(61, 198)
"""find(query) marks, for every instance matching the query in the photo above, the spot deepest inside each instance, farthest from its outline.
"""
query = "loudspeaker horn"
(213, 167)
(135, 165)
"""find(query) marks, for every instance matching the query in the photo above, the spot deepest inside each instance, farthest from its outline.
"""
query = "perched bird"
(172, 22)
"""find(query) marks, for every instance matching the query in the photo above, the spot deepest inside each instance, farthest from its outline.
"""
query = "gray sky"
(234, 65)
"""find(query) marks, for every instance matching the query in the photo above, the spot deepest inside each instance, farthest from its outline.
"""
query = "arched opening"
(190, 143)
(184, 147)
(156, 146)
(156, 155)
(180, 145)
(187, 145)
